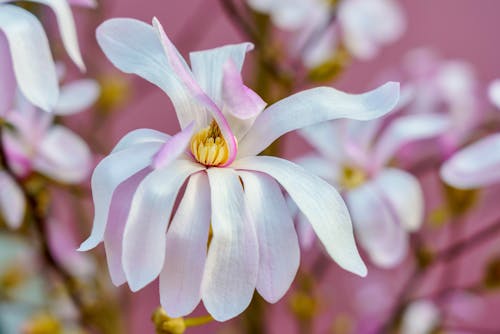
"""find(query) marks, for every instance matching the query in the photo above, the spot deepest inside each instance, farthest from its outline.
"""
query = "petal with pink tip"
(173, 148)
(315, 106)
(279, 253)
(145, 230)
(476, 166)
(186, 250)
(32, 61)
(233, 259)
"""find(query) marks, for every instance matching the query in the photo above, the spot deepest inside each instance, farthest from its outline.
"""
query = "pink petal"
(174, 147)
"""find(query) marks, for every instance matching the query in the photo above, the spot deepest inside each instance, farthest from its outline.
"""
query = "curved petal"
(186, 250)
(7, 79)
(63, 156)
(145, 231)
(117, 217)
(407, 129)
(377, 226)
(279, 253)
(327, 138)
(321, 167)
(83, 3)
(314, 106)
(77, 96)
(134, 47)
(173, 148)
(109, 173)
(208, 67)
(320, 203)
(233, 260)
(494, 93)
(32, 61)
(478, 165)
(140, 136)
(67, 28)
(305, 232)
(12, 202)
(184, 74)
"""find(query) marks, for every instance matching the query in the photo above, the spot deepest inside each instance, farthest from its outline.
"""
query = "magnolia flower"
(37, 145)
(385, 202)
(231, 192)
(362, 25)
(477, 165)
(30, 62)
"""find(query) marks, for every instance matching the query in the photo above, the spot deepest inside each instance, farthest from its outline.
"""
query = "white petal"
(77, 96)
(7, 79)
(67, 28)
(377, 225)
(208, 67)
(478, 165)
(421, 317)
(314, 106)
(232, 263)
(109, 173)
(146, 227)
(406, 129)
(140, 136)
(174, 147)
(117, 217)
(494, 92)
(186, 250)
(12, 202)
(319, 202)
(33, 65)
(320, 166)
(63, 156)
(279, 253)
(327, 138)
(134, 47)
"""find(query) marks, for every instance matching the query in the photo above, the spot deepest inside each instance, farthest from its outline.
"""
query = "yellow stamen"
(209, 146)
(352, 177)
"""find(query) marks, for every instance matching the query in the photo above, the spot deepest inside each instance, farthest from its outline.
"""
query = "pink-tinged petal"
(63, 156)
(279, 253)
(186, 250)
(173, 148)
(185, 76)
(32, 61)
(117, 217)
(77, 96)
(319, 202)
(305, 232)
(327, 138)
(67, 28)
(327, 170)
(134, 47)
(315, 106)
(109, 173)
(7, 79)
(494, 93)
(404, 193)
(477, 165)
(83, 3)
(239, 100)
(208, 67)
(377, 226)
(233, 259)
(407, 129)
(140, 136)
(12, 202)
(145, 231)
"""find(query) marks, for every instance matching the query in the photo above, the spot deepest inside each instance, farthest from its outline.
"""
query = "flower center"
(352, 177)
(209, 147)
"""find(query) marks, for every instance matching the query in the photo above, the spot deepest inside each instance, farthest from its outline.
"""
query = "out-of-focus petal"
(134, 47)
(117, 217)
(494, 93)
(305, 232)
(7, 79)
(279, 253)
(12, 202)
(186, 250)
(109, 173)
(63, 156)
(232, 263)
(421, 317)
(83, 3)
(33, 65)
(173, 148)
(327, 170)
(327, 138)
(145, 231)
(406, 129)
(478, 165)
(320, 203)
(377, 226)
(314, 106)
(140, 136)
(77, 96)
